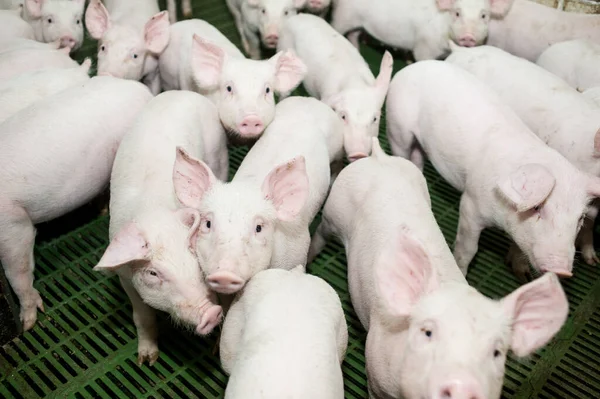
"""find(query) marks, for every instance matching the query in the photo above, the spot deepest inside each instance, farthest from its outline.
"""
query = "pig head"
(56, 20)
(434, 339)
(272, 15)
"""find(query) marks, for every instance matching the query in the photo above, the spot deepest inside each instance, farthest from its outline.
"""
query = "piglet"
(260, 21)
(530, 28)
(12, 25)
(575, 61)
(261, 218)
(430, 335)
(19, 61)
(557, 113)
(132, 35)
(420, 26)
(56, 20)
(18, 43)
(509, 178)
(300, 322)
(55, 156)
(26, 89)
(202, 59)
(152, 238)
(340, 77)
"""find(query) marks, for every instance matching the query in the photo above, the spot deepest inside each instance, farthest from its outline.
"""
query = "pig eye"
(268, 90)
(258, 228)
(78, 22)
(229, 89)
(49, 20)
(457, 14)
(263, 11)
(374, 119)
(208, 224)
(286, 13)
(428, 333)
(537, 208)
(102, 48)
(152, 273)
(483, 16)
(134, 56)
(497, 353)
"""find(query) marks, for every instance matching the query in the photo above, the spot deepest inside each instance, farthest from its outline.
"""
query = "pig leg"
(586, 237)
(187, 8)
(519, 263)
(469, 230)
(237, 17)
(344, 20)
(402, 141)
(417, 156)
(354, 38)
(152, 80)
(253, 44)
(172, 10)
(319, 239)
(231, 335)
(16, 254)
(145, 323)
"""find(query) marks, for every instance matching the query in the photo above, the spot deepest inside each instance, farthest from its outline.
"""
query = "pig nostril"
(446, 394)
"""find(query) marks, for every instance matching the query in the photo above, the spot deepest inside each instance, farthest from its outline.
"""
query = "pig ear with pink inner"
(191, 219)
(192, 178)
(499, 8)
(129, 245)
(289, 71)
(156, 32)
(404, 274)
(382, 82)
(537, 310)
(528, 186)
(207, 63)
(445, 5)
(287, 187)
(34, 7)
(97, 19)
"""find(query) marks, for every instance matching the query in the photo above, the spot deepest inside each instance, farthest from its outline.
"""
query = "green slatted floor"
(85, 345)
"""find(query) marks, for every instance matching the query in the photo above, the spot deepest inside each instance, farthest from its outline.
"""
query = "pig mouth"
(201, 319)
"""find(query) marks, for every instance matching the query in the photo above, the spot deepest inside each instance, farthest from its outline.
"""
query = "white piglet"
(575, 61)
(260, 21)
(508, 176)
(529, 28)
(55, 156)
(339, 76)
(261, 218)
(54, 20)
(202, 59)
(28, 88)
(20, 43)
(13, 26)
(300, 321)
(420, 26)
(430, 335)
(152, 237)
(131, 36)
(18, 61)
(557, 113)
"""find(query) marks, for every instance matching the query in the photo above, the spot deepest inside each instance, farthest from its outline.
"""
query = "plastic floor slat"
(85, 345)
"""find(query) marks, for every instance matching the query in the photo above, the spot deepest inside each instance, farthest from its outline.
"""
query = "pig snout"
(356, 156)
(210, 319)
(467, 40)
(67, 41)
(559, 264)
(459, 386)
(225, 282)
(271, 37)
(315, 4)
(251, 126)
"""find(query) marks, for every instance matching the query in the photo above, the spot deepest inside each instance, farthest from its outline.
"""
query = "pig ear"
(444, 5)
(192, 178)
(34, 7)
(385, 74)
(207, 63)
(97, 19)
(287, 187)
(537, 310)
(289, 71)
(127, 246)
(86, 65)
(499, 8)
(253, 3)
(528, 186)
(190, 218)
(404, 274)
(333, 101)
(156, 32)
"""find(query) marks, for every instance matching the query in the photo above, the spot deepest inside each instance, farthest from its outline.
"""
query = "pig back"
(370, 203)
(58, 153)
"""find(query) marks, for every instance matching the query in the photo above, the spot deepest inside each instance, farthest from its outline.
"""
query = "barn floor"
(84, 346)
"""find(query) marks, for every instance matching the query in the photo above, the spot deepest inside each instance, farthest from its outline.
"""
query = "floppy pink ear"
(382, 82)
(404, 274)
(499, 8)
(156, 32)
(192, 178)
(190, 218)
(528, 186)
(537, 310)
(289, 71)
(97, 19)
(128, 245)
(445, 5)
(34, 7)
(207, 63)
(287, 187)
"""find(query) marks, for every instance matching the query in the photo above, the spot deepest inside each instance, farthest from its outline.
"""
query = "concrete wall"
(588, 6)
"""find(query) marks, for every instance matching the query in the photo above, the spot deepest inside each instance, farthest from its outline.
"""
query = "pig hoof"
(29, 309)
(210, 319)
(187, 12)
(590, 257)
(147, 352)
